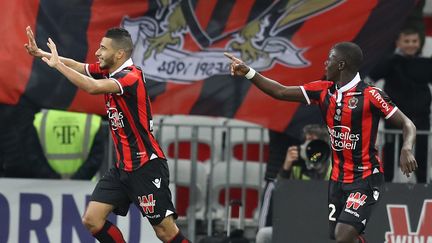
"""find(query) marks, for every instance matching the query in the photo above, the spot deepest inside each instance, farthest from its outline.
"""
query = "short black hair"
(352, 54)
(409, 31)
(121, 39)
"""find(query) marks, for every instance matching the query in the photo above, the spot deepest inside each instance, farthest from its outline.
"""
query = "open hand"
(54, 60)
(31, 46)
(408, 163)
(238, 67)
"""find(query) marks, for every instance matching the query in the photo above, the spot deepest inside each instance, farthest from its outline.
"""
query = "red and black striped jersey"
(130, 116)
(352, 113)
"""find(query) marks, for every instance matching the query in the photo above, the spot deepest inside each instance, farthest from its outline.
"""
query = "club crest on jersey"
(163, 37)
(352, 103)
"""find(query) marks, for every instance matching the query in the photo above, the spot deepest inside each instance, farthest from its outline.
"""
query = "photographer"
(314, 153)
(309, 161)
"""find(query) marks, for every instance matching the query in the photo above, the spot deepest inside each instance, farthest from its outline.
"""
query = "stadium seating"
(239, 181)
(180, 127)
(180, 176)
(246, 137)
(220, 142)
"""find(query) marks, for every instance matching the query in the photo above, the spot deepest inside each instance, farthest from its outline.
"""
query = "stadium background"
(189, 77)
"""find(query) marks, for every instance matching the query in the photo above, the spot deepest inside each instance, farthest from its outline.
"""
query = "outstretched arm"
(407, 161)
(88, 84)
(268, 86)
(35, 51)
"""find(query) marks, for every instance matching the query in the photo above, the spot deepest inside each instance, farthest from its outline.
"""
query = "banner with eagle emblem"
(180, 43)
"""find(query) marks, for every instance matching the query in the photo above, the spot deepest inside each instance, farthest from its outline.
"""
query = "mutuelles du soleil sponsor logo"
(342, 138)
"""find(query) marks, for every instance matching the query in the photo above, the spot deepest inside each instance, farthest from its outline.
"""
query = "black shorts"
(146, 187)
(353, 203)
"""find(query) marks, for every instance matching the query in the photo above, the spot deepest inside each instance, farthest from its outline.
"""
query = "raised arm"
(88, 84)
(407, 161)
(35, 51)
(268, 86)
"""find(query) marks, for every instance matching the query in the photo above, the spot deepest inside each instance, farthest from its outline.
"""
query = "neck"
(116, 65)
(345, 78)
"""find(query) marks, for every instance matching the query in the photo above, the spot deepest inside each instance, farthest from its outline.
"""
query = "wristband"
(250, 74)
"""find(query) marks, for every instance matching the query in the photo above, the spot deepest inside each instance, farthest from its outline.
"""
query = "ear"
(341, 65)
(120, 53)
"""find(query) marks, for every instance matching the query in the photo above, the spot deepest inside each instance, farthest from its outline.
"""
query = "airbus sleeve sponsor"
(377, 96)
(382, 102)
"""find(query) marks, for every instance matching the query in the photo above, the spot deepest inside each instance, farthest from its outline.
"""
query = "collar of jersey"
(125, 64)
(347, 87)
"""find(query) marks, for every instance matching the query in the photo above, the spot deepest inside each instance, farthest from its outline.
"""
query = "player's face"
(331, 65)
(409, 44)
(106, 53)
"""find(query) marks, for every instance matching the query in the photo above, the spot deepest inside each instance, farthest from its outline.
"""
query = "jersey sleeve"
(93, 70)
(312, 91)
(381, 102)
(125, 78)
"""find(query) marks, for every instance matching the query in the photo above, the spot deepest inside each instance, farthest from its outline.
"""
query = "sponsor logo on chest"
(341, 138)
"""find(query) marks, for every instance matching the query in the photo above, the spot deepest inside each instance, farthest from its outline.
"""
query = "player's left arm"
(88, 84)
(387, 109)
(408, 162)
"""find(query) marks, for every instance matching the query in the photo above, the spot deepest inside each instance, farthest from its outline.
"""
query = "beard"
(107, 63)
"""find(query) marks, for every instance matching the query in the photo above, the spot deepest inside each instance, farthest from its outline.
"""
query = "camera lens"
(315, 152)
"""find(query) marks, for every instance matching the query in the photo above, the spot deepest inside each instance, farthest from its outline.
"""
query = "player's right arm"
(35, 51)
(84, 82)
(268, 86)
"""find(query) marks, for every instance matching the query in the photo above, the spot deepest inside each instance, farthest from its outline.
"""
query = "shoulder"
(129, 72)
(371, 90)
(319, 84)
(322, 82)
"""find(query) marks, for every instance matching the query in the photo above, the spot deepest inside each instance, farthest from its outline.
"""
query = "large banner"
(180, 44)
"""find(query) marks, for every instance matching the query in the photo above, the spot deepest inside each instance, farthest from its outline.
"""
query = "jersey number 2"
(332, 212)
